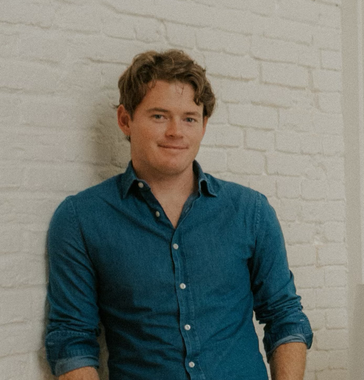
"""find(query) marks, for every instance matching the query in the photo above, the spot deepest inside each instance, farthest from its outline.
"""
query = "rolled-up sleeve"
(73, 322)
(276, 303)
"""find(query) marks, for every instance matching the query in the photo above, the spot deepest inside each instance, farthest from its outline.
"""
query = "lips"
(168, 146)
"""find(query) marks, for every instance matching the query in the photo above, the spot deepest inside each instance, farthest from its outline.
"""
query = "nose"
(174, 128)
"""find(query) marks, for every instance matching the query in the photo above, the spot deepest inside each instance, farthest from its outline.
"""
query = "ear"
(124, 119)
(205, 119)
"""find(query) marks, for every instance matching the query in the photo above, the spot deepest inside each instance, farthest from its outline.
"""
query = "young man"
(171, 260)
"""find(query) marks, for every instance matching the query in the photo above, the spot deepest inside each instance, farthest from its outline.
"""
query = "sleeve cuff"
(65, 365)
(294, 338)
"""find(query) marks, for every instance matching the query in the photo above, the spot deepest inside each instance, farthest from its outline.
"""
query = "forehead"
(170, 93)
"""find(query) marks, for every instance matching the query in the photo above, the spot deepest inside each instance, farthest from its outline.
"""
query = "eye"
(190, 120)
(158, 117)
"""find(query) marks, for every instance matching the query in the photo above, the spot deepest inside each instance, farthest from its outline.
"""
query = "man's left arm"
(287, 331)
(288, 362)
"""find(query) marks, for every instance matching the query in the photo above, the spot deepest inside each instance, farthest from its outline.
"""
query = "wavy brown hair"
(169, 66)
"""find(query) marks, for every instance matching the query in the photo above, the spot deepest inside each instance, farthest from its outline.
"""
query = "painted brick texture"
(276, 70)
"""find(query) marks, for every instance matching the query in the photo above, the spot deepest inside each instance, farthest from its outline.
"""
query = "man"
(172, 260)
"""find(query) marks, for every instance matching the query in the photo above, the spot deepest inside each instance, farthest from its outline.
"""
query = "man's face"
(166, 130)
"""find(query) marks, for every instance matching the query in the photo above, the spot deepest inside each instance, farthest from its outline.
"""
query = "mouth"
(172, 147)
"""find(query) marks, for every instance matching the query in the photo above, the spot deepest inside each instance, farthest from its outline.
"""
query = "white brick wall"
(276, 68)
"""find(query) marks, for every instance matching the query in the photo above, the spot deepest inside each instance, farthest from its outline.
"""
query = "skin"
(288, 362)
(165, 135)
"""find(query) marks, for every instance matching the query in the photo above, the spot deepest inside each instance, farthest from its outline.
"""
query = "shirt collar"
(129, 178)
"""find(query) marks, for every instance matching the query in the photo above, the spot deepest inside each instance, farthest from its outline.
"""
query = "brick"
(339, 359)
(331, 298)
(9, 42)
(332, 339)
(253, 116)
(263, 184)
(289, 210)
(318, 211)
(15, 367)
(327, 38)
(284, 74)
(330, 102)
(79, 18)
(335, 276)
(60, 179)
(330, 16)
(30, 77)
(289, 187)
(38, 303)
(308, 277)
(334, 168)
(22, 270)
(259, 140)
(227, 65)
(21, 338)
(332, 254)
(239, 21)
(336, 190)
(333, 145)
(121, 26)
(308, 298)
(287, 142)
(317, 322)
(302, 255)
(15, 306)
(299, 10)
(30, 13)
(216, 40)
(336, 319)
(263, 7)
(309, 56)
(295, 119)
(181, 35)
(287, 30)
(311, 143)
(286, 164)
(334, 231)
(332, 375)
(328, 124)
(39, 47)
(327, 80)
(11, 177)
(298, 233)
(10, 239)
(212, 160)
(247, 162)
(224, 136)
(314, 189)
(274, 50)
(318, 360)
(331, 60)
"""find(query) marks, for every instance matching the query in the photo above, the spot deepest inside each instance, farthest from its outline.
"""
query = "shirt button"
(187, 327)
(157, 214)
(175, 246)
(182, 286)
(191, 364)
(141, 185)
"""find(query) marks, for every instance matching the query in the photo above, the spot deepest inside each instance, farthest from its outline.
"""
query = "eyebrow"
(188, 113)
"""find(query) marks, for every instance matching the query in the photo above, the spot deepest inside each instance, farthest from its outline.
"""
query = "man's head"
(169, 66)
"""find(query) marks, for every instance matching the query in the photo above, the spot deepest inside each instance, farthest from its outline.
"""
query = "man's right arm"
(85, 373)
(73, 323)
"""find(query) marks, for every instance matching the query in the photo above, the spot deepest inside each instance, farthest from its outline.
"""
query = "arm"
(85, 373)
(71, 338)
(288, 362)
(276, 303)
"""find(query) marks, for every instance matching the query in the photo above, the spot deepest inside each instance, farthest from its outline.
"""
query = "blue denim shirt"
(176, 303)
